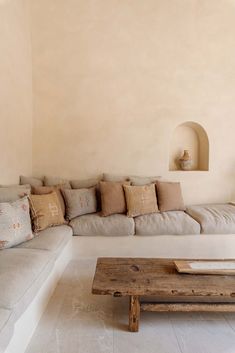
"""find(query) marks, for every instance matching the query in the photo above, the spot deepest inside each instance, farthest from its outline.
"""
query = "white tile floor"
(76, 321)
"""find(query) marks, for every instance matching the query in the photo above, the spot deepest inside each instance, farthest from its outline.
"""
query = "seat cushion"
(22, 271)
(214, 219)
(52, 239)
(6, 328)
(94, 224)
(166, 223)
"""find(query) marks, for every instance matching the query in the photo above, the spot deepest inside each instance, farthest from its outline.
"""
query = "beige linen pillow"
(54, 181)
(87, 184)
(12, 193)
(112, 197)
(115, 178)
(15, 223)
(169, 196)
(142, 180)
(84, 183)
(46, 211)
(141, 200)
(43, 190)
(79, 202)
(31, 181)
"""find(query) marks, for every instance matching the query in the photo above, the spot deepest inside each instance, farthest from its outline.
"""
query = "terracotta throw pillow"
(112, 197)
(141, 200)
(169, 196)
(46, 211)
(43, 190)
(79, 202)
(15, 223)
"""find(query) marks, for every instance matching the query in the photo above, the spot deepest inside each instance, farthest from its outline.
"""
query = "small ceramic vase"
(185, 161)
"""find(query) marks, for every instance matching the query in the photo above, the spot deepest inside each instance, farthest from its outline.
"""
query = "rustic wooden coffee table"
(141, 277)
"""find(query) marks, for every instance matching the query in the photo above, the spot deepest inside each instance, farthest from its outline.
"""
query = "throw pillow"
(141, 180)
(141, 200)
(169, 196)
(14, 192)
(79, 202)
(46, 211)
(31, 181)
(15, 223)
(43, 190)
(84, 183)
(112, 197)
(114, 177)
(53, 181)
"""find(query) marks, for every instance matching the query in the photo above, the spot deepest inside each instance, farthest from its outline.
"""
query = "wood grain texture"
(158, 277)
(188, 307)
(134, 313)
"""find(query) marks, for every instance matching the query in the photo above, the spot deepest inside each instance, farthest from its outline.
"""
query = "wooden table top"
(146, 276)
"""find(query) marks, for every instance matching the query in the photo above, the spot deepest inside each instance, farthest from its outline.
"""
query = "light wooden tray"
(210, 267)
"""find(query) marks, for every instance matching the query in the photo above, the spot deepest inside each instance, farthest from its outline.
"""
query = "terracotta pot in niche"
(185, 161)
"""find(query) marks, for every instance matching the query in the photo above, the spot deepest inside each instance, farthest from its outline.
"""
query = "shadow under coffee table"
(142, 278)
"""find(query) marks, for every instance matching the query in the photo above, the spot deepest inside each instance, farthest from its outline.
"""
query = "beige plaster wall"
(113, 79)
(15, 91)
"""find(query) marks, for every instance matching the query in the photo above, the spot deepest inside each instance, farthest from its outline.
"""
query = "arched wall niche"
(193, 137)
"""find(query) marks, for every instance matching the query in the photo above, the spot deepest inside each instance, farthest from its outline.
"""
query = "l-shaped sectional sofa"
(29, 272)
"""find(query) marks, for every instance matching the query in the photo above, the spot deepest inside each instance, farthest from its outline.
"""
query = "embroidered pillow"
(15, 223)
(45, 211)
(43, 190)
(79, 202)
(141, 200)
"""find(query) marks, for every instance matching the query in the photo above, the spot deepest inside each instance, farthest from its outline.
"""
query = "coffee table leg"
(134, 313)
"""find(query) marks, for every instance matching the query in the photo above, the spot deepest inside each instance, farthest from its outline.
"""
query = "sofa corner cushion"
(94, 224)
(51, 239)
(214, 218)
(6, 328)
(22, 272)
(166, 223)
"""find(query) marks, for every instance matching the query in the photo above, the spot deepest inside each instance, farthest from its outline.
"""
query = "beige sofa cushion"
(215, 218)
(79, 202)
(45, 211)
(140, 200)
(169, 196)
(14, 192)
(15, 223)
(30, 181)
(94, 224)
(166, 223)
(142, 180)
(112, 197)
(6, 328)
(51, 239)
(44, 190)
(19, 270)
(54, 181)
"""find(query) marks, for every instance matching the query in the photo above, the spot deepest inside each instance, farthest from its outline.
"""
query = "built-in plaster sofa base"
(27, 323)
